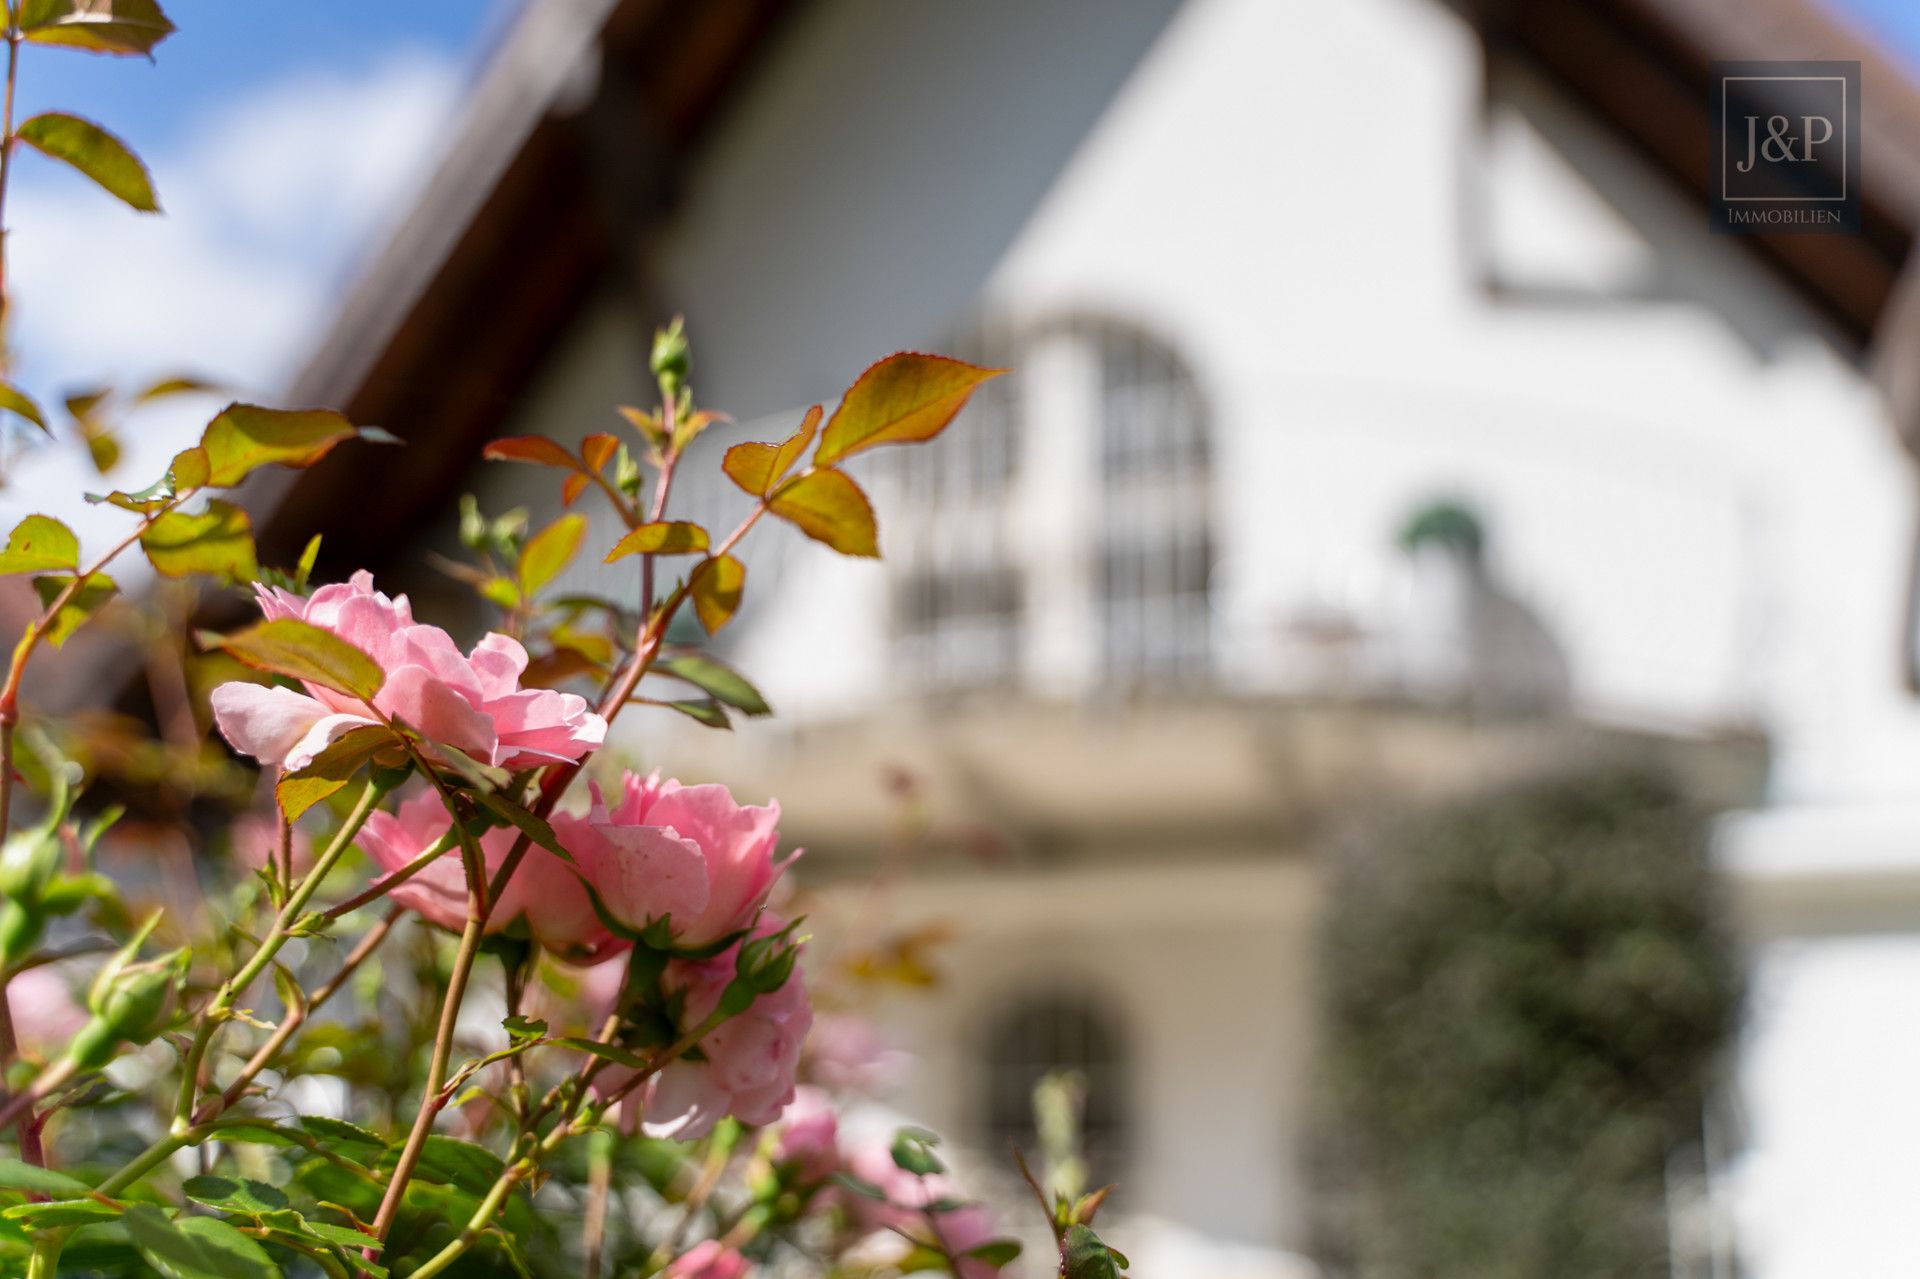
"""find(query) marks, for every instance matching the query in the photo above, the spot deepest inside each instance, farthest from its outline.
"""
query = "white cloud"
(269, 203)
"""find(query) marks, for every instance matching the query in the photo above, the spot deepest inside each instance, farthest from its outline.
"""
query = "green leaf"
(95, 152)
(481, 778)
(664, 537)
(535, 826)
(16, 401)
(606, 1052)
(343, 1236)
(332, 769)
(758, 467)
(188, 470)
(521, 1028)
(995, 1252)
(461, 1164)
(249, 1197)
(337, 1133)
(1083, 1256)
(217, 542)
(98, 589)
(289, 646)
(65, 1212)
(829, 507)
(865, 1189)
(903, 399)
(179, 384)
(246, 436)
(196, 1247)
(913, 1152)
(547, 552)
(714, 677)
(37, 543)
(17, 1175)
(704, 709)
(716, 587)
(122, 27)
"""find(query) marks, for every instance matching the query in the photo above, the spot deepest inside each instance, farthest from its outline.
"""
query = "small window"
(1064, 1032)
(1156, 546)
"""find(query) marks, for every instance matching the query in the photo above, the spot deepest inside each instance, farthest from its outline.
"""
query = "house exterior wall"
(1386, 289)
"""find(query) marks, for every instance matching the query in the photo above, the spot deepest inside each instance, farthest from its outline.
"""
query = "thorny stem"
(387, 883)
(6, 144)
(294, 1018)
(215, 1013)
(593, 1231)
(436, 1069)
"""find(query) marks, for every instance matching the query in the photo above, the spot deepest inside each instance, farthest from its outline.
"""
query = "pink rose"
(256, 842)
(751, 1059)
(908, 1196)
(685, 852)
(48, 1010)
(846, 1051)
(809, 1135)
(544, 895)
(472, 702)
(708, 1259)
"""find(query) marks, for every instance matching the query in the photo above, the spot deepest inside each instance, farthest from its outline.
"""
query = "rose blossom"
(708, 1259)
(809, 1135)
(908, 1195)
(751, 1059)
(846, 1051)
(688, 852)
(47, 1010)
(256, 842)
(472, 702)
(544, 892)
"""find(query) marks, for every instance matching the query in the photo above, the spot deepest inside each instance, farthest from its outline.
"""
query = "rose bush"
(543, 1034)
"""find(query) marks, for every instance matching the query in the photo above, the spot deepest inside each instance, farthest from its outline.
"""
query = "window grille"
(1156, 549)
(957, 595)
(1065, 1031)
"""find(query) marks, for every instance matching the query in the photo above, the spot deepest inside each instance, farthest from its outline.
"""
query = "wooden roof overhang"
(1641, 67)
(439, 359)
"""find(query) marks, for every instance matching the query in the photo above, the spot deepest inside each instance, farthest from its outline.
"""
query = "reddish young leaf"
(537, 449)
(664, 537)
(829, 507)
(597, 449)
(758, 467)
(571, 488)
(716, 588)
(903, 399)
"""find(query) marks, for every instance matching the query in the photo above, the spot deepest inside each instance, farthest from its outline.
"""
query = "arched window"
(1058, 1031)
(957, 593)
(1156, 547)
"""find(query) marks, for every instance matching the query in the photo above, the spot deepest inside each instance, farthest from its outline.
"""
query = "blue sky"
(1895, 24)
(224, 48)
(282, 137)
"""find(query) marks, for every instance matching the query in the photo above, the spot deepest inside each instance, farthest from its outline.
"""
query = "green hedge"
(1525, 998)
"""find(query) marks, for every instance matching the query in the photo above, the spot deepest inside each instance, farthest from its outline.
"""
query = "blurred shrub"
(1525, 1000)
